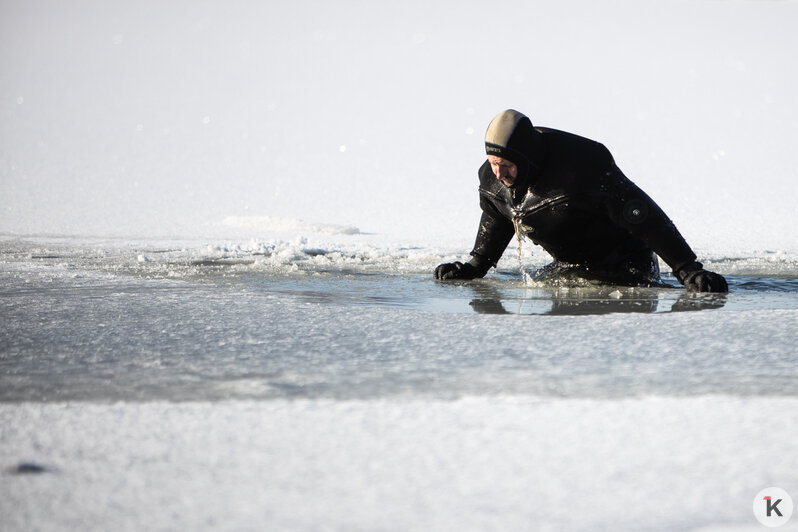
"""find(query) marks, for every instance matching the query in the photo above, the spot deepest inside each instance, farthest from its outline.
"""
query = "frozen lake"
(235, 384)
(233, 387)
(218, 223)
(100, 322)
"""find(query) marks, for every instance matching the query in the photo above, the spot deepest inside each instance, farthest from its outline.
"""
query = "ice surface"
(239, 328)
(217, 226)
(476, 463)
(295, 385)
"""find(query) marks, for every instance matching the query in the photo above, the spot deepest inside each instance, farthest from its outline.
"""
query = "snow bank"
(502, 463)
(269, 223)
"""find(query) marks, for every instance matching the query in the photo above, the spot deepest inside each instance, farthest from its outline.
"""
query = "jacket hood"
(511, 136)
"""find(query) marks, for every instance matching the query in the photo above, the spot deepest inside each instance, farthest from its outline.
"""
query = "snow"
(217, 225)
(270, 223)
(399, 464)
(160, 121)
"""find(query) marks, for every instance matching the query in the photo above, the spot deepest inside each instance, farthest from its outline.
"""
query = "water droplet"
(206, 120)
(469, 131)
(342, 148)
(20, 100)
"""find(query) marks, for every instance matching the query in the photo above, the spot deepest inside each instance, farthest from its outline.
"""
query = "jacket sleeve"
(631, 208)
(493, 235)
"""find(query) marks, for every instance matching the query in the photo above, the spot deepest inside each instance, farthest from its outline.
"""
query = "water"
(506, 294)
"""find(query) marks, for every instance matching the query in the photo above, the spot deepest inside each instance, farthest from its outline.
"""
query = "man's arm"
(493, 235)
(631, 208)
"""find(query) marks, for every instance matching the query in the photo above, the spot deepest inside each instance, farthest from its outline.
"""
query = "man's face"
(504, 170)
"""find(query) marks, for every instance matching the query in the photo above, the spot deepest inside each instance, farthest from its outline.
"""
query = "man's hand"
(696, 279)
(456, 270)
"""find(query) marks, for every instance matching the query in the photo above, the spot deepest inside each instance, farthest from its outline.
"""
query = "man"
(566, 194)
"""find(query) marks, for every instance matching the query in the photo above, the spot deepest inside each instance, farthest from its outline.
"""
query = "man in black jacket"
(565, 193)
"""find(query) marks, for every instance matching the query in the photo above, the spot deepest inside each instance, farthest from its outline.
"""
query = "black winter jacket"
(578, 205)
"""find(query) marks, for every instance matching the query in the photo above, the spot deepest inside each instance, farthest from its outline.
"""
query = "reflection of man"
(489, 299)
(566, 194)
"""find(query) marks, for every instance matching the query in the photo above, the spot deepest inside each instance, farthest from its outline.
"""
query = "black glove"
(455, 270)
(696, 279)
(458, 270)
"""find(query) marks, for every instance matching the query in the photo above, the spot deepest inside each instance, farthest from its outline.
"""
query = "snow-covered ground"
(217, 226)
(150, 120)
(476, 463)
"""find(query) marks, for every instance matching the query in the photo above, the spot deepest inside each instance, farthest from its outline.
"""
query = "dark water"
(506, 294)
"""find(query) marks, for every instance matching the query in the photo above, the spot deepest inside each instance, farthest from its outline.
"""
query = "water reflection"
(488, 299)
